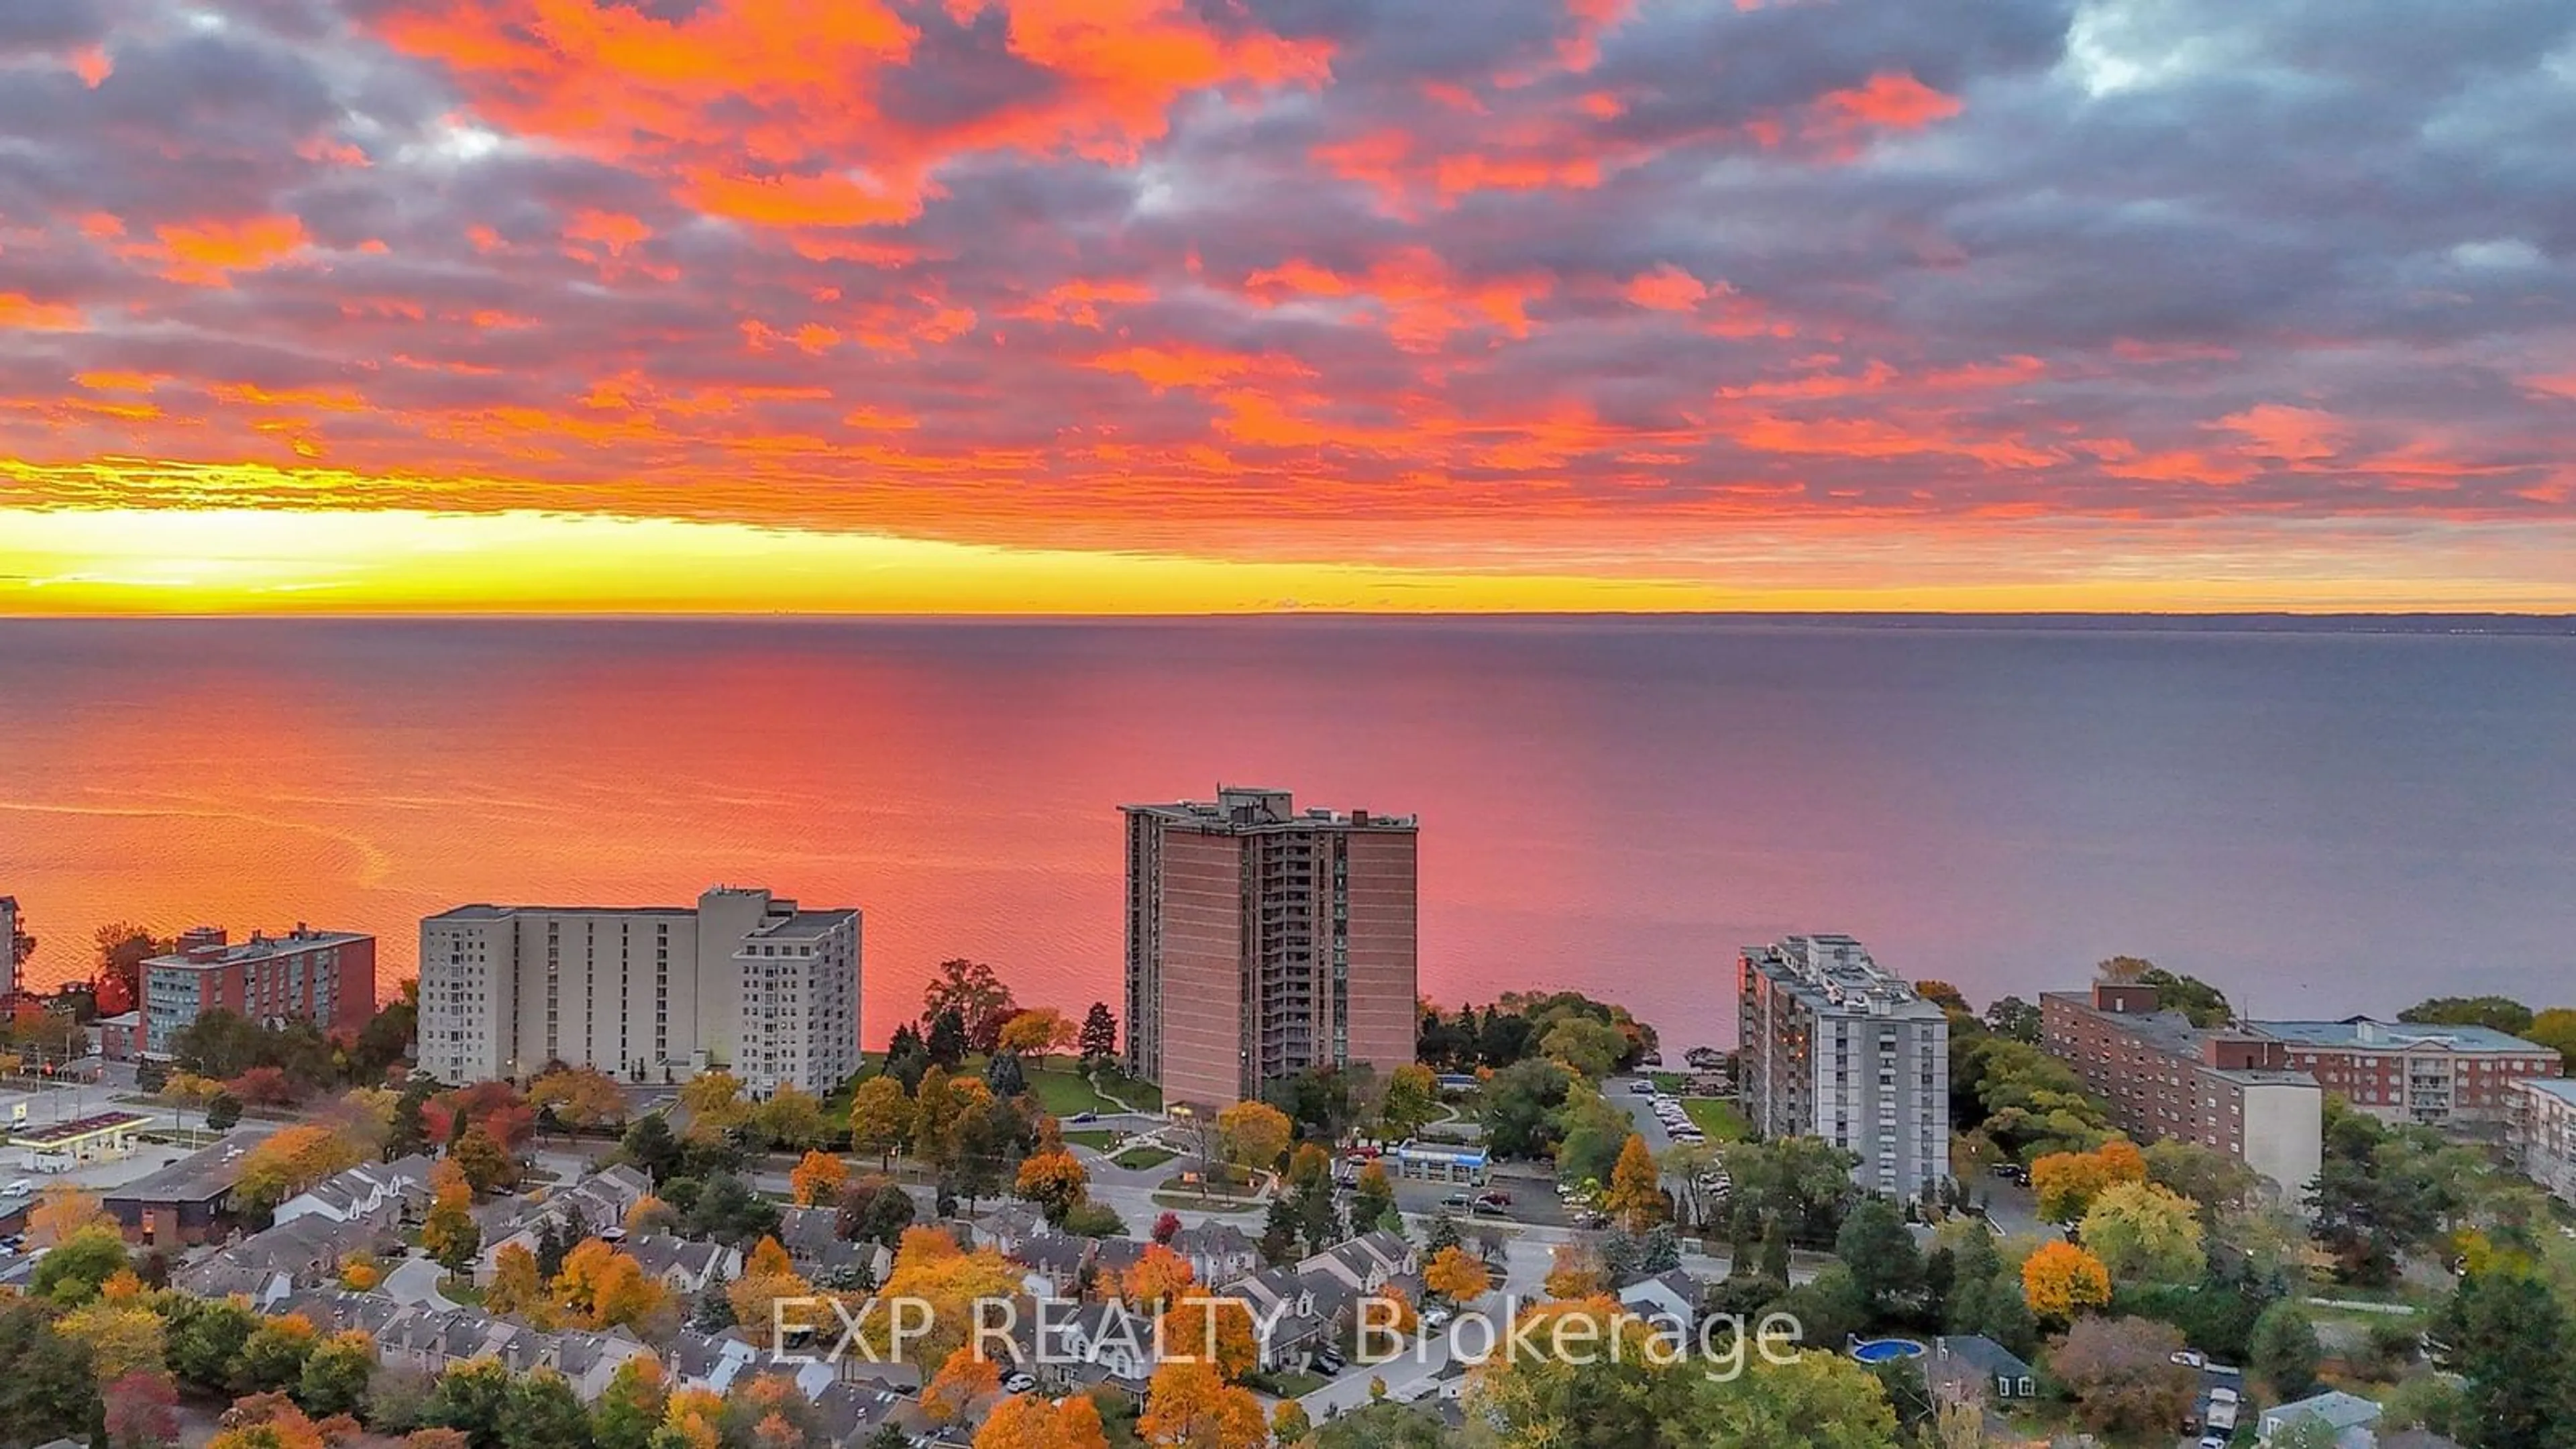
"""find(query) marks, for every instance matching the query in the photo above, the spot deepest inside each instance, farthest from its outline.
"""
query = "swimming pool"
(1886, 1350)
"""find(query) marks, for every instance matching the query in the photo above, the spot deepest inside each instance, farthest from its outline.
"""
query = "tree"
(1055, 1181)
(337, 1374)
(2015, 1018)
(582, 1098)
(790, 1118)
(497, 1107)
(488, 1166)
(2061, 1279)
(122, 949)
(142, 1412)
(122, 1335)
(652, 1147)
(1520, 1105)
(2508, 1334)
(273, 1357)
(204, 1338)
(1636, 1189)
(1289, 1424)
(2283, 1351)
(1575, 1271)
(949, 1281)
(1254, 1134)
(1158, 1276)
(2124, 970)
(1817, 1400)
(1585, 1047)
(631, 1407)
(223, 1111)
(471, 1398)
(1621, 1397)
(518, 1287)
(2123, 1376)
(1457, 1275)
(2067, 1182)
(1189, 1405)
(2216, 1183)
(1885, 1264)
(817, 1178)
(1372, 1196)
(880, 1119)
(1005, 1076)
(75, 1270)
(542, 1412)
(61, 1210)
(1027, 1421)
(604, 1288)
(716, 1106)
(1099, 1039)
(2145, 1233)
(1412, 1101)
(1213, 1329)
(947, 1044)
(289, 1161)
(2502, 1013)
(730, 1211)
(1037, 1032)
(2556, 1030)
(449, 1231)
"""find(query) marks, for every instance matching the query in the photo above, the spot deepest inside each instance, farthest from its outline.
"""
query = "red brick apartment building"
(2231, 1090)
(325, 977)
(1263, 941)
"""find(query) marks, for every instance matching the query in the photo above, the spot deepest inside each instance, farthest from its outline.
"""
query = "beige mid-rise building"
(743, 980)
(1264, 941)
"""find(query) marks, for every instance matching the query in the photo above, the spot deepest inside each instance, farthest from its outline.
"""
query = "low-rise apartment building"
(324, 977)
(2164, 1077)
(1830, 1045)
(2540, 1131)
(744, 980)
(2400, 1072)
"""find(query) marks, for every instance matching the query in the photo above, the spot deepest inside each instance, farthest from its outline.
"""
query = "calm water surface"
(2323, 824)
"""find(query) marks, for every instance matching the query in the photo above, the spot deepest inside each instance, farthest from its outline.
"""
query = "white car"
(1019, 1383)
(2190, 1358)
(1435, 1318)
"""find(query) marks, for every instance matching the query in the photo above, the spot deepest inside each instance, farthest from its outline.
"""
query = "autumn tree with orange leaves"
(817, 1178)
(1189, 1405)
(2067, 1182)
(966, 1377)
(1028, 1421)
(1457, 1275)
(1158, 1277)
(1212, 1328)
(2061, 1279)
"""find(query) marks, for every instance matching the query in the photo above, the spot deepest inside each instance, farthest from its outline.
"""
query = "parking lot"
(1651, 1124)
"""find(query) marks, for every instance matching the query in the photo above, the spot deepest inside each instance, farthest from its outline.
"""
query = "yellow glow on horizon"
(119, 561)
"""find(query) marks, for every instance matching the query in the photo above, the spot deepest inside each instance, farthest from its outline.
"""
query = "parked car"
(1081, 1117)
(2190, 1358)
(1435, 1318)
(1496, 1196)
(1329, 1363)
(1019, 1383)
(1457, 1199)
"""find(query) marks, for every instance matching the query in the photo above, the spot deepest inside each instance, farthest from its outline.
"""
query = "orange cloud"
(1162, 368)
(1666, 289)
(17, 309)
(608, 229)
(206, 254)
(1891, 101)
(2293, 435)
(1422, 300)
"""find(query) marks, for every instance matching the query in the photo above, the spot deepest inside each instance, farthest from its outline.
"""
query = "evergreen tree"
(714, 1313)
(1005, 1075)
(410, 1134)
(2508, 1336)
(1443, 1234)
(1279, 1233)
(650, 1145)
(1660, 1251)
(1881, 1255)
(947, 1044)
(1099, 1038)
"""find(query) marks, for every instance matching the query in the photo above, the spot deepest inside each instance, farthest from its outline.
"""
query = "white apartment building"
(646, 993)
(2540, 1131)
(1832, 1046)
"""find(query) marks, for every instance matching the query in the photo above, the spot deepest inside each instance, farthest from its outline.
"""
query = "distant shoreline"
(2423, 624)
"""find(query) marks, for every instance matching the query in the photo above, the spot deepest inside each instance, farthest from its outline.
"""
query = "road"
(415, 1280)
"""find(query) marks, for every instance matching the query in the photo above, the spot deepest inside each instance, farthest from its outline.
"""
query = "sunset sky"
(1176, 305)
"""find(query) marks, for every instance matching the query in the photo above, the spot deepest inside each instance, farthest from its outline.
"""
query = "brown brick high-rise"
(1262, 942)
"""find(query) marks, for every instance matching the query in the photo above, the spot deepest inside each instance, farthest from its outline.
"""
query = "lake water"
(2322, 823)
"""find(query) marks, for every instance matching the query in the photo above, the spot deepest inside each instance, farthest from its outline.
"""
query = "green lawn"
(1098, 1139)
(1287, 1384)
(1718, 1118)
(1063, 1093)
(1140, 1158)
